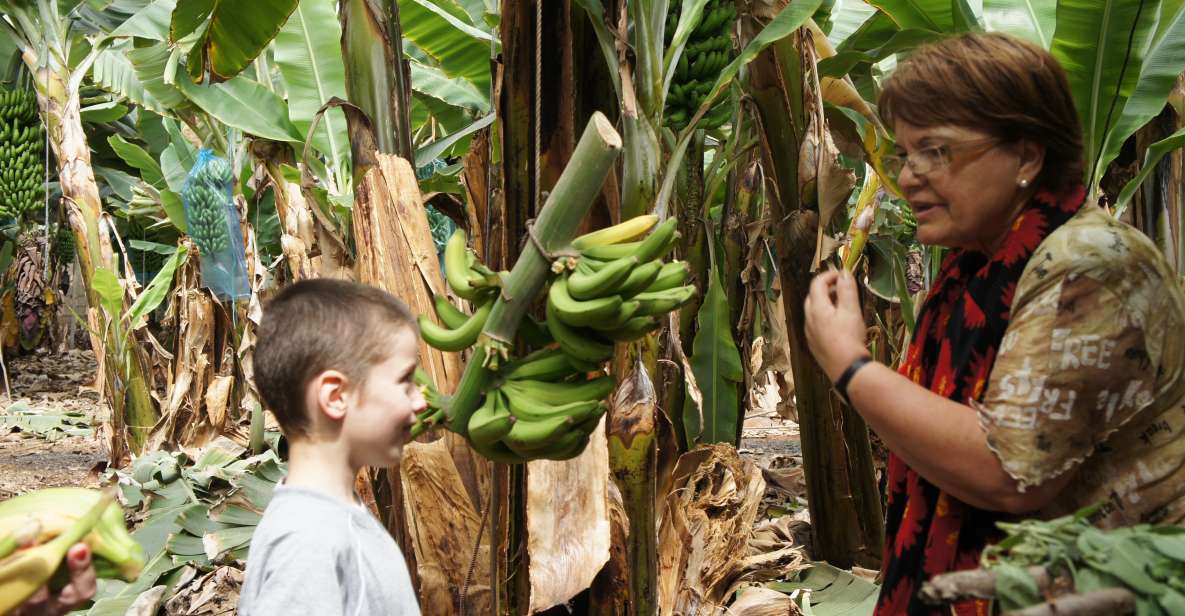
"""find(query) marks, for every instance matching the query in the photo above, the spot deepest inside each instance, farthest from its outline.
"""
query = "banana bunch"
(543, 409)
(470, 280)
(616, 290)
(206, 195)
(38, 528)
(709, 49)
(22, 168)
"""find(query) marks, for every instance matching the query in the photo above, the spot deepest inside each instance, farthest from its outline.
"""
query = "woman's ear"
(1032, 160)
(330, 393)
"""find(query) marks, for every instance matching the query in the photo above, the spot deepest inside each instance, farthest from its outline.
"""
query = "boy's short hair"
(318, 325)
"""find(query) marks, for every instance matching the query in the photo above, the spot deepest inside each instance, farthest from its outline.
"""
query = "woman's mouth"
(922, 211)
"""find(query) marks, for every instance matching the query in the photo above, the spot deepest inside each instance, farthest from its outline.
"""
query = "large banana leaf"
(245, 105)
(152, 22)
(150, 65)
(1163, 64)
(933, 15)
(846, 18)
(234, 32)
(716, 364)
(903, 40)
(431, 81)
(135, 156)
(461, 49)
(1101, 44)
(113, 71)
(309, 54)
(1030, 19)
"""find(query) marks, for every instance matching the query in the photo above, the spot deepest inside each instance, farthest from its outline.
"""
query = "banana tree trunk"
(846, 518)
(132, 411)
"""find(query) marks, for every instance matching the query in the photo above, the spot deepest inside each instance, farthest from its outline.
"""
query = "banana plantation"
(605, 216)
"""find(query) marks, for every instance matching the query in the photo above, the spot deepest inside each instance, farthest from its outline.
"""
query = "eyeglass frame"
(945, 156)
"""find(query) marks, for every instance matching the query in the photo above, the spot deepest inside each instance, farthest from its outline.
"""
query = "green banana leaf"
(1155, 152)
(874, 32)
(158, 289)
(149, 65)
(232, 33)
(461, 49)
(309, 54)
(1101, 44)
(1029, 19)
(431, 81)
(690, 14)
(135, 156)
(1163, 64)
(151, 22)
(104, 113)
(244, 104)
(936, 15)
(846, 18)
(431, 151)
(113, 71)
(903, 40)
(832, 591)
(716, 364)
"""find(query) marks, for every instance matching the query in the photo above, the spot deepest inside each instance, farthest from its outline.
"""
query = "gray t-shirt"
(313, 554)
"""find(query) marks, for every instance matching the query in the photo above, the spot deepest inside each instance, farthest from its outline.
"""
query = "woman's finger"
(822, 284)
(846, 295)
(82, 578)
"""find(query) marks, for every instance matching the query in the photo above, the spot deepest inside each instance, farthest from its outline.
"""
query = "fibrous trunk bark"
(133, 412)
(846, 518)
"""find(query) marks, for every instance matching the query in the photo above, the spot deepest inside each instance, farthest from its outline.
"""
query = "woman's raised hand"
(835, 327)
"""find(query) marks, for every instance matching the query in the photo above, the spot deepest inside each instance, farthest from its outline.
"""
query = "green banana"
(640, 279)
(543, 365)
(577, 312)
(491, 421)
(624, 314)
(618, 233)
(459, 338)
(26, 571)
(556, 394)
(576, 344)
(610, 252)
(456, 267)
(57, 509)
(658, 243)
(671, 275)
(662, 302)
(498, 452)
(634, 329)
(528, 437)
(527, 408)
(586, 283)
(449, 315)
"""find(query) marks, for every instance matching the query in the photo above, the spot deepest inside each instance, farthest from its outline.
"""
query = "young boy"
(334, 363)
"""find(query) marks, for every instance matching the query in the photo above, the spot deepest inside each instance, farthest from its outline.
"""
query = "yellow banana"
(618, 233)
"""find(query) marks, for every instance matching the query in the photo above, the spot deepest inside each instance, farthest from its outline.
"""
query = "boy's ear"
(330, 391)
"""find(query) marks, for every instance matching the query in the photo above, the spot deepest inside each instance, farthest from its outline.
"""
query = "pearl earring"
(1024, 183)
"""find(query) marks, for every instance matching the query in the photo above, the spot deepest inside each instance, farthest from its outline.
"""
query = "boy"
(334, 363)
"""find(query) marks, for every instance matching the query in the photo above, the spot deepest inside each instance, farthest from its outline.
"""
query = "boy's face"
(382, 412)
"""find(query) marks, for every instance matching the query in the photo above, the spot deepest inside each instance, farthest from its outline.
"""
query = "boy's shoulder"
(308, 518)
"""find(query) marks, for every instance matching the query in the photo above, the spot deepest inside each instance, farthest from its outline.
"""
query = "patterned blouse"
(1069, 343)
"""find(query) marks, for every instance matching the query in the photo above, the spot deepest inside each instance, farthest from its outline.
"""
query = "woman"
(1045, 371)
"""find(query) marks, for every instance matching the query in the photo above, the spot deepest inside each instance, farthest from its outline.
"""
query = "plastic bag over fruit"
(213, 224)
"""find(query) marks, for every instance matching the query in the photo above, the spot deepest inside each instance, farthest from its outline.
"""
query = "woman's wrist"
(845, 378)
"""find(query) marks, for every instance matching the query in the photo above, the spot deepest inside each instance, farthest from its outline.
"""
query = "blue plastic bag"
(213, 223)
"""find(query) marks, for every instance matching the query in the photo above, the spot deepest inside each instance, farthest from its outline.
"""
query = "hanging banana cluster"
(38, 528)
(22, 167)
(205, 194)
(611, 287)
(709, 49)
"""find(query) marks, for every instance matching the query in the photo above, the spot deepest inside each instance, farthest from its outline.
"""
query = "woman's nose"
(907, 179)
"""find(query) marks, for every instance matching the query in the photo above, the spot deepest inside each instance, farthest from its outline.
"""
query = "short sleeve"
(300, 575)
(1072, 368)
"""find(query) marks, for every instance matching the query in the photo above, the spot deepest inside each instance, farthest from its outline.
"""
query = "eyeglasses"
(933, 158)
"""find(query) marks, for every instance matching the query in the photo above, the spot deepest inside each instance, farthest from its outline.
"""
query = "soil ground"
(53, 382)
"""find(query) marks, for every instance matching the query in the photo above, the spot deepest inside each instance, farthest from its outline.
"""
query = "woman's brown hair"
(996, 83)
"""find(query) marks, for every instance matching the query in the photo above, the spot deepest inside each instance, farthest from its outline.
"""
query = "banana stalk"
(558, 221)
(376, 77)
(866, 206)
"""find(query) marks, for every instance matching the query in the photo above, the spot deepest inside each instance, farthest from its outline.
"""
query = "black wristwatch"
(841, 384)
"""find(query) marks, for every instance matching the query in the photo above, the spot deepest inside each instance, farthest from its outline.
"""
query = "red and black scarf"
(954, 346)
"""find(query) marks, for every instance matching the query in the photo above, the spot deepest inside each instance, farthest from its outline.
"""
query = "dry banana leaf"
(759, 601)
(212, 594)
(444, 531)
(568, 531)
(705, 529)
